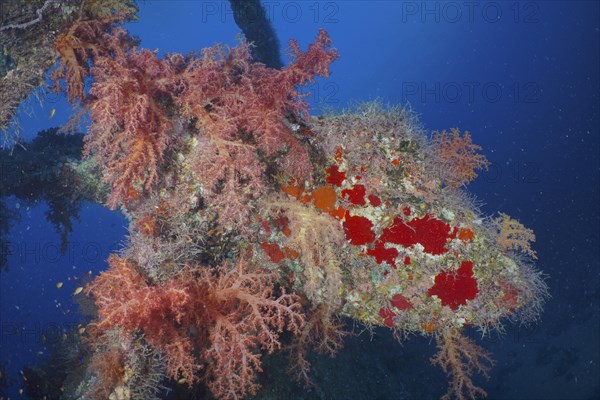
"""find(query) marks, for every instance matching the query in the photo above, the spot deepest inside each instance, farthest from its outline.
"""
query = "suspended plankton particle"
(78, 290)
(59, 285)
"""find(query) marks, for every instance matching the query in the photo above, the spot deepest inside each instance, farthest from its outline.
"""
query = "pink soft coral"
(234, 313)
(131, 130)
(240, 110)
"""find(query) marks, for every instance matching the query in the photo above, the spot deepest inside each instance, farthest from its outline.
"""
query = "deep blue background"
(521, 76)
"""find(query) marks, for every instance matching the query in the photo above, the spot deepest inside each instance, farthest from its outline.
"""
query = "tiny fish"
(59, 285)
(78, 290)
(52, 113)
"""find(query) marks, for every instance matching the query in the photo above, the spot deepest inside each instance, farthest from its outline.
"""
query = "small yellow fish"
(59, 285)
(81, 330)
(78, 290)
(182, 381)
(52, 112)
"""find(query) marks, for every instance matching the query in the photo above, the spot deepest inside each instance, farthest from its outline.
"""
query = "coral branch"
(460, 357)
(234, 312)
(512, 235)
(459, 156)
(240, 109)
(324, 332)
(131, 130)
(85, 41)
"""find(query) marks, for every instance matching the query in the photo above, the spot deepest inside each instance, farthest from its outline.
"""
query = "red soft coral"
(240, 108)
(85, 40)
(234, 313)
(130, 130)
(458, 156)
(126, 300)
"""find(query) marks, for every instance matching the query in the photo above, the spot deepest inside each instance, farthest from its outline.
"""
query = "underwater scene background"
(258, 232)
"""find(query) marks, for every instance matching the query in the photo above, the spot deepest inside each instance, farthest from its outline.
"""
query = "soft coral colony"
(249, 218)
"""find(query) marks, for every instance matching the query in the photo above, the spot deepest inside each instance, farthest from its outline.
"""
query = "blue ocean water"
(522, 77)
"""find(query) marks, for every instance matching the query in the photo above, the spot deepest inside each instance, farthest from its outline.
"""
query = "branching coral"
(512, 235)
(76, 46)
(108, 365)
(234, 312)
(324, 332)
(130, 131)
(239, 109)
(459, 357)
(459, 156)
(86, 39)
